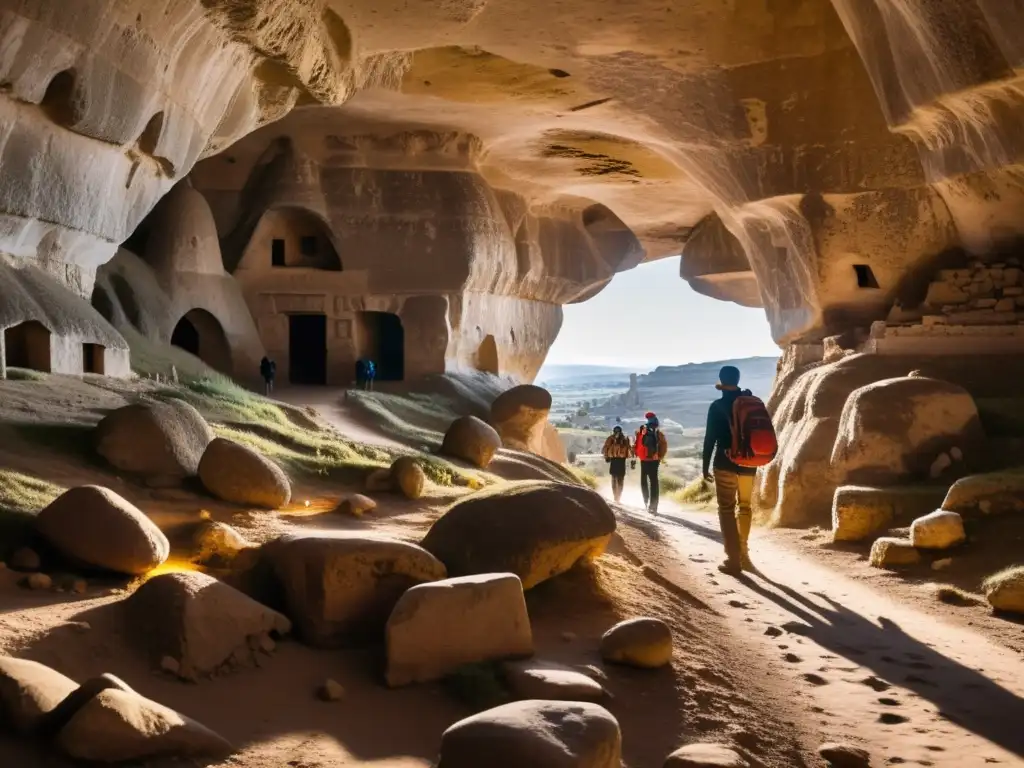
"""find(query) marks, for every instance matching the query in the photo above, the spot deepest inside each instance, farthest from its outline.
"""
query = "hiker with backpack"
(741, 436)
(616, 450)
(371, 374)
(650, 447)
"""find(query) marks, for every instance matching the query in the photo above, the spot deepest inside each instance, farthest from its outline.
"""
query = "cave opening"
(28, 346)
(200, 334)
(487, 355)
(307, 349)
(381, 338)
(865, 276)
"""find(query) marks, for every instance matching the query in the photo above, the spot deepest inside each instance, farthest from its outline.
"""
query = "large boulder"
(938, 530)
(340, 588)
(162, 441)
(986, 494)
(95, 527)
(519, 415)
(117, 726)
(471, 439)
(643, 642)
(29, 692)
(240, 475)
(408, 477)
(861, 512)
(201, 623)
(1005, 590)
(891, 552)
(438, 627)
(534, 530)
(538, 734)
(533, 679)
(892, 430)
(706, 756)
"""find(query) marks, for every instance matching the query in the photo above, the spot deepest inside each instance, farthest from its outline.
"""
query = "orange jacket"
(617, 449)
(641, 451)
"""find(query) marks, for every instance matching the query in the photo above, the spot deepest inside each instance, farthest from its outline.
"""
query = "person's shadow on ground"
(962, 695)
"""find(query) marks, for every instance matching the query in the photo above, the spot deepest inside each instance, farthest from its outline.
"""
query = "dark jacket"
(718, 434)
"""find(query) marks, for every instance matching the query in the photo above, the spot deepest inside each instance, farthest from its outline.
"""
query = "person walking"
(371, 374)
(360, 373)
(268, 370)
(733, 483)
(616, 450)
(650, 447)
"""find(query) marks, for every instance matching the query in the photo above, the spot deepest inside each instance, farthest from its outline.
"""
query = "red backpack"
(754, 443)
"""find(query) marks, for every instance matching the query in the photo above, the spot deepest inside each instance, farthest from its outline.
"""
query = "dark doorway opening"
(382, 339)
(865, 276)
(92, 358)
(186, 336)
(28, 346)
(277, 253)
(199, 333)
(307, 349)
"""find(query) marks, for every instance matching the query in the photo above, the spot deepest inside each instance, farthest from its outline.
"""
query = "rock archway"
(200, 333)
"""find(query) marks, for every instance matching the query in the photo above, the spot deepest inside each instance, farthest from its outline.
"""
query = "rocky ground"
(772, 666)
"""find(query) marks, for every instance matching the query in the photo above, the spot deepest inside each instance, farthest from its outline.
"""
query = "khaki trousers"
(733, 492)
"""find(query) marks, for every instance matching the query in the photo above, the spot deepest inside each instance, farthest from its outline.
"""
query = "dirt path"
(864, 666)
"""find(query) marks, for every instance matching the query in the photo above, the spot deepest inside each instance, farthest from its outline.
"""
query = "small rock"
(547, 680)
(217, 544)
(706, 756)
(331, 690)
(844, 756)
(25, 560)
(956, 453)
(355, 504)
(889, 552)
(38, 581)
(408, 477)
(939, 530)
(940, 565)
(642, 642)
(170, 665)
(773, 632)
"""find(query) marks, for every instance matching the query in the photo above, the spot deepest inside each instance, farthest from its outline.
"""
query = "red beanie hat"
(650, 415)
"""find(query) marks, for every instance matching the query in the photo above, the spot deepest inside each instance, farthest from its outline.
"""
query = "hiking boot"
(747, 564)
(730, 568)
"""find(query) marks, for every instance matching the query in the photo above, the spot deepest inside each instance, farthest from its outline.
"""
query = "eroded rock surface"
(534, 530)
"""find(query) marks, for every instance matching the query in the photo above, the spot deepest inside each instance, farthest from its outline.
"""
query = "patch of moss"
(22, 497)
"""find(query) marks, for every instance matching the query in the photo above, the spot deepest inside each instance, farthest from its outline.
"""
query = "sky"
(649, 316)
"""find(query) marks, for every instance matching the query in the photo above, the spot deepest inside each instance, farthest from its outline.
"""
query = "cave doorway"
(381, 338)
(487, 356)
(92, 358)
(28, 346)
(200, 334)
(307, 349)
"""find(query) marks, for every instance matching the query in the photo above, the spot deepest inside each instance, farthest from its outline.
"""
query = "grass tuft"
(24, 374)
(583, 476)
(22, 497)
(699, 491)
(954, 596)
